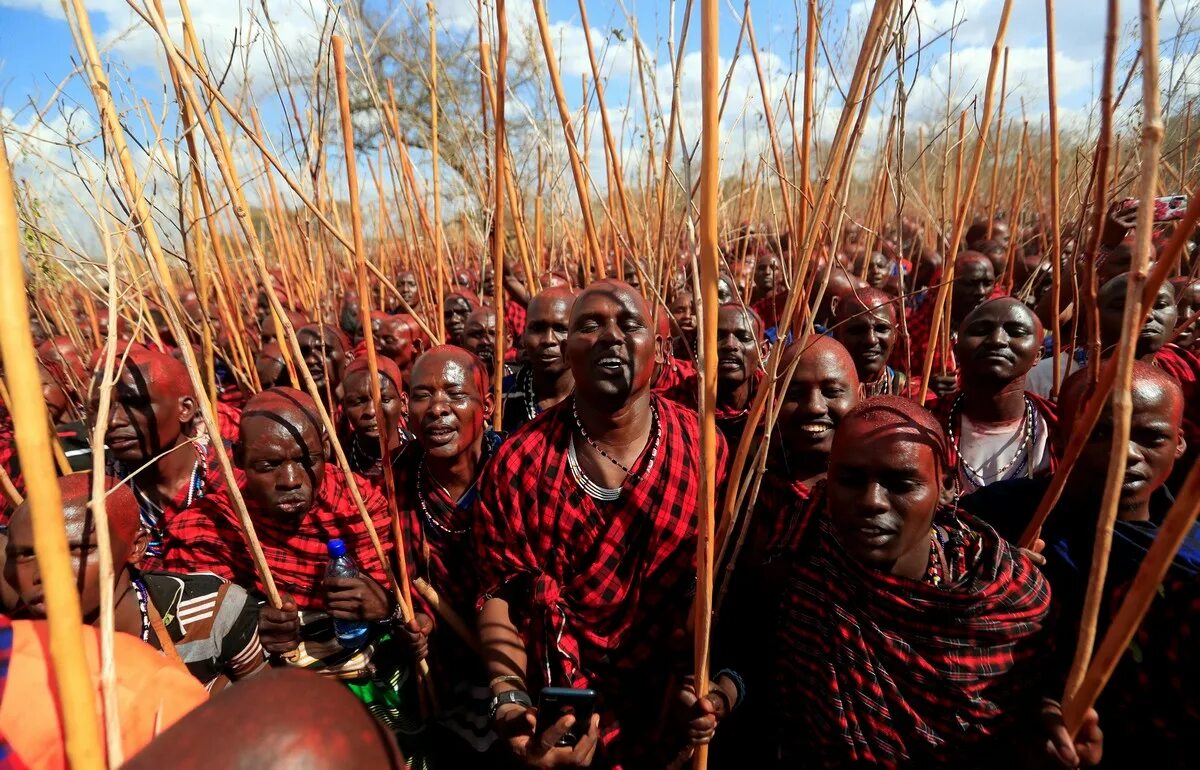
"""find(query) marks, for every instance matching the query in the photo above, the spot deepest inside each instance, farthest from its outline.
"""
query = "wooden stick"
(710, 177)
(501, 164)
(135, 195)
(1055, 223)
(1145, 587)
(1152, 131)
(76, 694)
(964, 203)
(996, 150)
(447, 613)
(577, 171)
(402, 587)
(438, 265)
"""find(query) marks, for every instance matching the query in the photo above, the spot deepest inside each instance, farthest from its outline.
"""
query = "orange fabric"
(152, 694)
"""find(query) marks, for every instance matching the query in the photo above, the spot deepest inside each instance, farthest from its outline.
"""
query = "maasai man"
(1187, 303)
(516, 297)
(282, 720)
(361, 439)
(741, 345)
(400, 339)
(683, 320)
(212, 625)
(298, 503)
(410, 289)
(865, 323)
(911, 636)
(877, 269)
(458, 305)
(586, 536)
(1152, 687)
(326, 352)
(155, 434)
(997, 430)
(822, 390)
(545, 379)
(769, 296)
(479, 337)
(271, 367)
(974, 281)
(449, 401)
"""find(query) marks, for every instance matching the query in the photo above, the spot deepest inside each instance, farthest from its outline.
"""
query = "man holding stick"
(586, 544)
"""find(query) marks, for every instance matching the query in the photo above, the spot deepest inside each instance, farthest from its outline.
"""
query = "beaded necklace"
(531, 409)
(1028, 437)
(143, 600)
(591, 488)
(425, 508)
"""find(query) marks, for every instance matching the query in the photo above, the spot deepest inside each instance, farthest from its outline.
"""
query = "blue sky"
(36, 52)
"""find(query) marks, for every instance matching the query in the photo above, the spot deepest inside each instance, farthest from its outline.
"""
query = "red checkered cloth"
(208, 538)
(677, 381)
(942, 406)
(884, 671)
(608, 582)
(8, 451)
(1184, 365)
(770, 308)
(514, 318)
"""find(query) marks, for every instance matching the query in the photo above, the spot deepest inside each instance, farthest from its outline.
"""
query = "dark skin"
(823, 389)
(877, 270)
(479, 336)
(998, 343)
(456, 311)
(867, 329)
(1187, 302)
(683, 311)
(323, 355)
(974, 280)
(406, 282)
(767, 275)
(738, 356)
(152, 403)
(1155, 441)
(395, 341)
(283, 455)
(271, 368)
(128, 544)
(359, 410)
(1159, 323)
(884, 485)
(611, 347)
(449, 402)
(546, 323)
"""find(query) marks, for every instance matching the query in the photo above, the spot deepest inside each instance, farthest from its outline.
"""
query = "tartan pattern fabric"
(781, 513)
(596, 588)
(892, 672)
(514, 320)
(208, 538)
(909, 353)
(677, 381)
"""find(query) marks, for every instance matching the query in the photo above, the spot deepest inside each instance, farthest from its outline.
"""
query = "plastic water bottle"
(351, 634)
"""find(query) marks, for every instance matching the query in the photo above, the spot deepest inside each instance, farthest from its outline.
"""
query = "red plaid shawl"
(677, 381)
(1184, 365)
(596, 588)
(891, 672)
(208, 538)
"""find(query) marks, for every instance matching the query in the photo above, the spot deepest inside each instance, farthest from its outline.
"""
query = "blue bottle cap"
(336, 548)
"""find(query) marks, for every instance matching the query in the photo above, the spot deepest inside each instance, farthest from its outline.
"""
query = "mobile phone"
(554, 703)
(1166, 209)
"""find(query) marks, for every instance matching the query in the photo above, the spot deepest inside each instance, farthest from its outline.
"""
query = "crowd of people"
(873, 603)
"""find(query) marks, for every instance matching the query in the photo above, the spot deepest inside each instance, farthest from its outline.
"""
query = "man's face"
(393, 340)
(479, 336)
(283, 457)
(457, 311)
(882, 494)
(1000, 234)
(322, 361)
(822, 390)
(869, 337)
(1159, 323)
(724, 290)
(406, 282)
(1187, 303)
(447, 404)
(21, 568)
(737, 347)
(998, 342)
(611, 345)
(545, 329)
(973, 282)
(683, 310)
(1155, 443)
(766, 273)
(877, 271)
(359, 407)
(145, 420)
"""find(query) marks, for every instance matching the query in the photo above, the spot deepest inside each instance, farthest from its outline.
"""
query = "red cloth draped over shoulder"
(770, 308)
(677, 381)
(514, 319)
(882, 670)
(208, 538)
(1184, 365)
(942, 406)
(609, 581)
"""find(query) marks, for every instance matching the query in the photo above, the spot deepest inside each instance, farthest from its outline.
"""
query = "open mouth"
(815, 430)
(440, 434)
(874, 536)
(610, 364)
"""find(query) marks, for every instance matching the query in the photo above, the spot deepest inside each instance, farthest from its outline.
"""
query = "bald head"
(865, 300)
(824, 387)
(1153, 388)
(892, 416)
(437, 357)
(998, 343)
(974, 279)
(614, 288)
(282, 719)
(547, 319)
(1160, 322)
(153, 406)
(611, 343)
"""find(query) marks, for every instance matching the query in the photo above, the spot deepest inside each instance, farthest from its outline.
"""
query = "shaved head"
(820, 347)
(437, 356)
(282, 452)
(613, 287)
(1148, 380)
(893, 416)
(863, 300)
